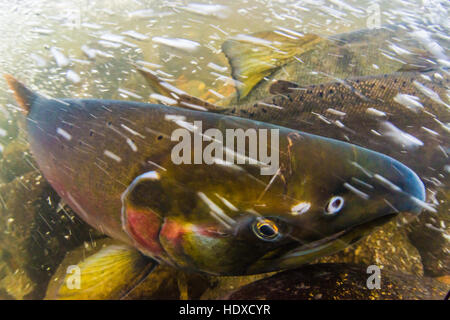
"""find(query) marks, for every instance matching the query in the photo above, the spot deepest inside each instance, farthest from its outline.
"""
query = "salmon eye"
(266, 229)
(334, 205)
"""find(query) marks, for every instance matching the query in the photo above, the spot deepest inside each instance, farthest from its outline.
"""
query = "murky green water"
(88, 49)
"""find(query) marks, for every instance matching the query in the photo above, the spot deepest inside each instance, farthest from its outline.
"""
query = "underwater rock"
(387, 247)
(5, 296)
(340, 282)
(166, 282)
(37, 234)
(16, 160)
(9, 129)
(429, 233)
(15, 284)
(220, 286)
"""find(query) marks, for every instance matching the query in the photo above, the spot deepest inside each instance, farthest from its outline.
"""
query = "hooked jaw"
(375, 189)
(395, 182)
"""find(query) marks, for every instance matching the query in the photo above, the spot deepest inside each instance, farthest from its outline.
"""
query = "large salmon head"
(225, 218)
(112, 162)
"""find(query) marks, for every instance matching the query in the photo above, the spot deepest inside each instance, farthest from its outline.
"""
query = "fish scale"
(397, 131)
(305, 108)
(379, 91)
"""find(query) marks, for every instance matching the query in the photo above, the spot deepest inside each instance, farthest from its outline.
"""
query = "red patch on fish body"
(176, 235)
(143, 226)
(172, 231)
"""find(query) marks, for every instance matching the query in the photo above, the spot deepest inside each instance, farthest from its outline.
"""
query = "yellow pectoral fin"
(256, 56)
(110, 272)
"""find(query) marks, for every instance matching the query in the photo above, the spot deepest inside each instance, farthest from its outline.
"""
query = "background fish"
(316, 59)
(405, 114)
(400, 114)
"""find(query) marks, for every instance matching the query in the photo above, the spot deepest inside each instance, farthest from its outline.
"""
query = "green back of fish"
(365, 111)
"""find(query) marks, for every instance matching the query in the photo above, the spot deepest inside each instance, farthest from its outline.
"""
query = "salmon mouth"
(316, 244)
(347, 237)
(325, 246)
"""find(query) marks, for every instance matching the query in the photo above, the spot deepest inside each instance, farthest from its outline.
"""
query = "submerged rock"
(340, 282)
(220, 286)
(16, 161)
(430, 234)
(388, 247)
(166, 282)
(5, 296)
(36, 235)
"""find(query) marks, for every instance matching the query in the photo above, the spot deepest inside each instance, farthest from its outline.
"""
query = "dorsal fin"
(179, 97)
(253, 57)
(22, 94)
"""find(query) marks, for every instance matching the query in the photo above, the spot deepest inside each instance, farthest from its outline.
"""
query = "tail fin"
(179, 97)
(253, 57)
(22, 94)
